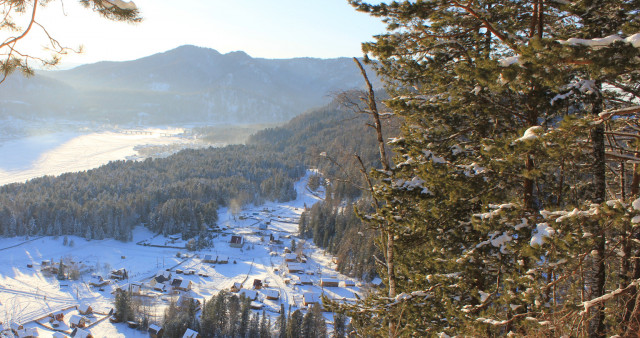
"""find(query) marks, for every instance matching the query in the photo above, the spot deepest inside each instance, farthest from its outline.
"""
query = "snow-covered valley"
(77, 149)
(30, 293)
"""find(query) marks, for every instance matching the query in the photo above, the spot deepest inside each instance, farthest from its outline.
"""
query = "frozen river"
(33, 156)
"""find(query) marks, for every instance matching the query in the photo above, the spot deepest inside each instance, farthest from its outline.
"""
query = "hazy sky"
(262, 28)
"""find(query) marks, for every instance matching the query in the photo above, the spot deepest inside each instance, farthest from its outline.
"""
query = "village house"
(329, 282)
(236, 287)
(155, 331)
(271, 294)
(85, 309)
(160, 287)
(98, 281)
(290, 257)
(236, 242)
(347, 283)
(120, 274)
(295, 268)
(181, 284)
(31, 332)
(256, 305)
(305, 280)
(251, 294)
(257, 284)
(77, 321)
(208, 259)
(309, 298)
(191, 334)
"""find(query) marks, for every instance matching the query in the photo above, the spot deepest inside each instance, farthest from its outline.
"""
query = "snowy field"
(28, 295)
(55, 153)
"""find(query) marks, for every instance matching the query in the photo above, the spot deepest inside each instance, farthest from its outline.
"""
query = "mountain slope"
(194, 84)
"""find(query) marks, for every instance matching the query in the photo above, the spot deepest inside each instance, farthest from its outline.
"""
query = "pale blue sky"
(267, 29)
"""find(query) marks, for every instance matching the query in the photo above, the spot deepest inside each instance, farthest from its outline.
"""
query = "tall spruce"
(496, 203)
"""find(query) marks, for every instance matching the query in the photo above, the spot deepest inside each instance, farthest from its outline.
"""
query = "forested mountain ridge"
(181, 193)
(186, 84)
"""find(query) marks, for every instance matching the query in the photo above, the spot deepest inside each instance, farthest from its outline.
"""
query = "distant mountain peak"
(197, 84)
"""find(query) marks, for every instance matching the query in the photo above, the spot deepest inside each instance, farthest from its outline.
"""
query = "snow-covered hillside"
(28, 295)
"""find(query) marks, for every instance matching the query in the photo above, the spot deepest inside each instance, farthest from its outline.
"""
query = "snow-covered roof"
(251, 294)
(311, 297)
(28, 332)
(295, 267)
(84, 307)
(271, 293)
(75, 319)
(329, 280)
(80, 333)
(190, 334)
(155, 328)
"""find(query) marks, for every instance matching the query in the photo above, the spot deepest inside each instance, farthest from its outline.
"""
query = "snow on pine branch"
(590, 303)
(531, 134)
(126, 5)
(598, 43)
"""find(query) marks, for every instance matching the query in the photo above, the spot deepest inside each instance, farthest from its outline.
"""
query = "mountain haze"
(186, 84)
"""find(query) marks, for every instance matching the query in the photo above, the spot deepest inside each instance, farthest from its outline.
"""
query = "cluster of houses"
(76, 324)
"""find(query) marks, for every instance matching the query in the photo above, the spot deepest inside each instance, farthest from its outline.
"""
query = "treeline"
(334, 139)
(179, 194)
(335, 226)
(227, 315)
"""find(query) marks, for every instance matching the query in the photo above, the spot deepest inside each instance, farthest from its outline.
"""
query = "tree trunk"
(597, 327)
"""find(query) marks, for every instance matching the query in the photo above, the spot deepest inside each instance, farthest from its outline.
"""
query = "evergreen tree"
(478, 207)
(124, 307)
(339, 325)
(282, 322)
(254, 326)
(294, 325)
(265, 326)
(61, 271)
(245, 313)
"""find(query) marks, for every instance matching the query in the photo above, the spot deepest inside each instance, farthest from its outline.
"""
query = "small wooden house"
(256, 305)
(257, 284)
(160, 287)
(155, 331)
(208, 259)
(251, 294)
(236, 241)
(59, 316)
(85, 309)
(294, 268)
(347, 283)
(191, 334)
(59, 335)
(181, 284)
(237, 286)
(77, 321)
(329, 282)
(271, 294)
(80, 333)
(305, 280)
(119, 274)
(309, 298)
(290, 257)
(31, 332)
(190, 272)
(98, 281)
